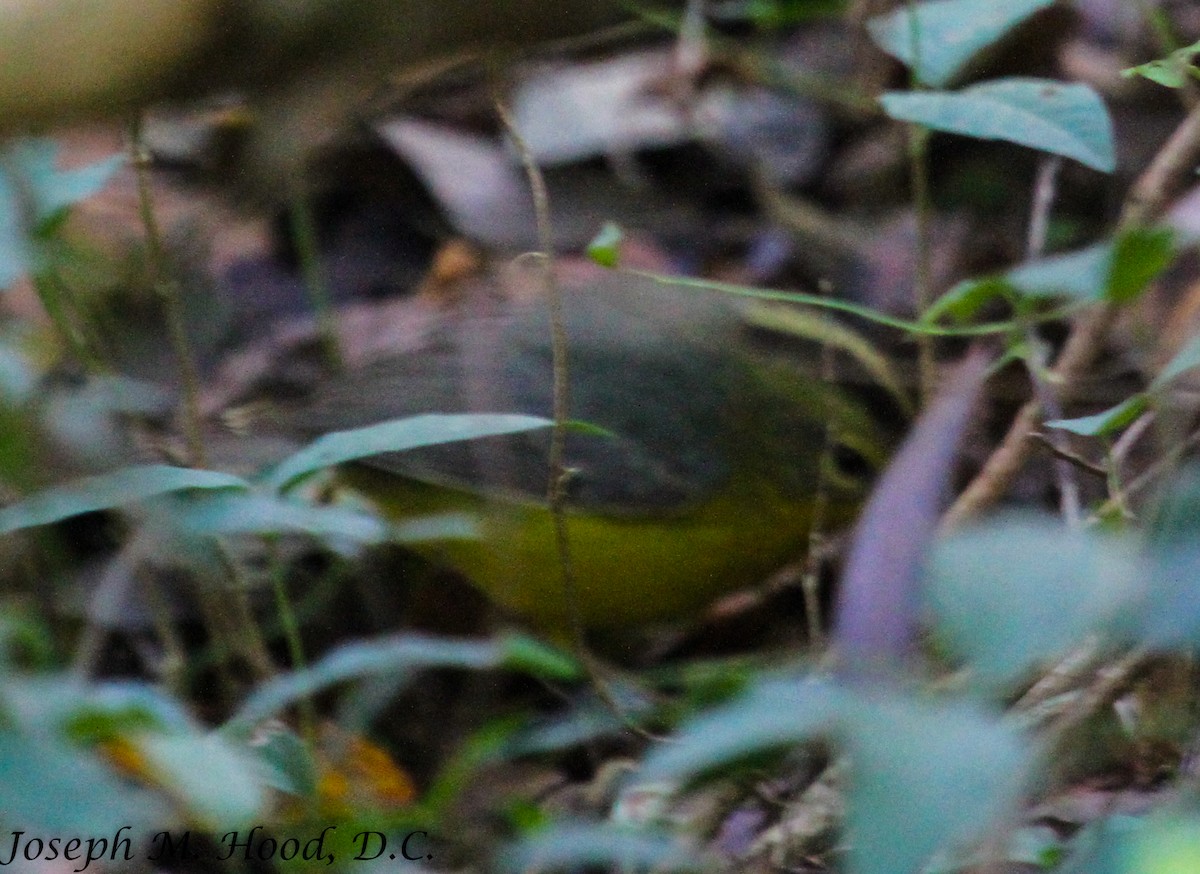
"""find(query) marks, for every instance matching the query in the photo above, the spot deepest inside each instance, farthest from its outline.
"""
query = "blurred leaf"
(1063, 119)
(605, 247)
(962, 302)
(52, 190)
(103, 712)
(33, 195)
(1172, 71)
(519, 652)
(399, 655)
(1170, 610)
(219, 784)
(1165, 844)
(772, 714)
(1105, 422)
(55, 789)
(109, 490)
(924, 776)
(1017, 590)
(949, 33)
(256, 513)
(291, 766)
(1082, 274)
(878, 603)
(394, 436)
(1181, 362)
(1117, 269)
(570, 846)
(1139, 256)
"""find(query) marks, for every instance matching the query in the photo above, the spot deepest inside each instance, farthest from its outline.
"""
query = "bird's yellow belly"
(628, 570)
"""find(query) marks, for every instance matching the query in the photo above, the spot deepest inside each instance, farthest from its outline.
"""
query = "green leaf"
(31, 204)
(529, 655)
(1012, 592)
(949, 33)
(220, 784)
(55, 789)
(1169, 614)
(1139, 256)
(925, 776)
(254, 513)
(1171, 71)
(1105, 422)
(110, 490)
(394, 436)
(964, 301)
(1081, 275)
(1063, 119)
(51, 189)
(772, 714)
(605, 247)
(398, 655)
(290, 763)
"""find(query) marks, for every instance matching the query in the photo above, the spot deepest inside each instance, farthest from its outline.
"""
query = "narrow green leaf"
(395, 655)
(109, 490)
(1105, 422)
(529, 655)
(394, 436)
(949, 33)
(1063, 119)
(964, 301)
(255, 513)
(605, 247)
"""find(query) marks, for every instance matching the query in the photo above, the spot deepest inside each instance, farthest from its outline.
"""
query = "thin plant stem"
(290, 627)
(169, 293)
(918, 157)
(304, 237)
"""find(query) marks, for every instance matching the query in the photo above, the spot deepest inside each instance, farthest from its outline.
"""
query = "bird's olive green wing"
(663, 373)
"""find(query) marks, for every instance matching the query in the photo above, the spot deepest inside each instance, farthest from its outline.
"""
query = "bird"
(699, 477)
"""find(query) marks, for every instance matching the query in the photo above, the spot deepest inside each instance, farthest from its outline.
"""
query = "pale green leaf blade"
(1062, 119)
(950, 33)
(109, 490)
(1106, 421)
(397, 435)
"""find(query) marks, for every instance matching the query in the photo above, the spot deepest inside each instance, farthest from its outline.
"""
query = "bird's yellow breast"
(628, 571)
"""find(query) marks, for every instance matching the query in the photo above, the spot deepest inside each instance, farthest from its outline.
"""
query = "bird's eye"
(850, 464)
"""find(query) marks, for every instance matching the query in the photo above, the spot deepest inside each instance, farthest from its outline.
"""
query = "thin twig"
(1036, 360)
(559, 474)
